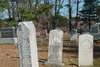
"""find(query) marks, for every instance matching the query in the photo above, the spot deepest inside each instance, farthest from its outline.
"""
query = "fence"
(7, 35)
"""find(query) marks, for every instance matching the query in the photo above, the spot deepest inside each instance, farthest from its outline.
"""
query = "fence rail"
(8, 32)
(8, 35)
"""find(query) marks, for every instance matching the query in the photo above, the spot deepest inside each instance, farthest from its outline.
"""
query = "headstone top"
(86, 34)
(28, 24)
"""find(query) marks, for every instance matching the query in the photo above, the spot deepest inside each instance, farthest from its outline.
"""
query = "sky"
(63, 11)
(4, 14)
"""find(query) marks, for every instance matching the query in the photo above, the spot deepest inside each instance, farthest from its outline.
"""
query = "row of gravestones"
(26, 35)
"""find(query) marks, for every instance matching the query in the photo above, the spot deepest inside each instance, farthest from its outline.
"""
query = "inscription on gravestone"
(85, 50)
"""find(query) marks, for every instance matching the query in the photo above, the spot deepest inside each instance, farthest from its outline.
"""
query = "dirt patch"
(9, 56)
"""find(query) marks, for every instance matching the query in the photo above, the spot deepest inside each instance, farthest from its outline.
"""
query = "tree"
(98, 10)
(3, 4)
(70, 15)
(58, 4)
(24, 10)
(88, 12)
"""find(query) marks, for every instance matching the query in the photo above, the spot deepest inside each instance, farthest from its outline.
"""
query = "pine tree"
(88, 12)
(98, 8)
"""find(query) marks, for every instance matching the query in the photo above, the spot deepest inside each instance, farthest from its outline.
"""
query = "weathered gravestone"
(55, 48)
(27, 44)
(85, 50)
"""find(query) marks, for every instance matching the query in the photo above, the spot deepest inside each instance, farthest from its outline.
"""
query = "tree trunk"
(70, 16)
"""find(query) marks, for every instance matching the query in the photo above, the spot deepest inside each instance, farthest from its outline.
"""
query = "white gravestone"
(55, 47)
(26, 36)
(85, 50)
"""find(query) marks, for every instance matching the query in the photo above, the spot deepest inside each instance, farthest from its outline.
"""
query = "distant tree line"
(47, 12)
(21, 10)
(90, 11)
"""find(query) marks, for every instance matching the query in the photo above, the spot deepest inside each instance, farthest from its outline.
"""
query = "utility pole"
(70, 16)
(55, 18)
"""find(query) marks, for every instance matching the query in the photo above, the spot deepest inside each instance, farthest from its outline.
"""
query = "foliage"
(27, 11)
(3, 4)
(89, 10)
(26, 14)
(12, 23)
(43, 8)
(98, 8)
(61, 21)
(31, 14)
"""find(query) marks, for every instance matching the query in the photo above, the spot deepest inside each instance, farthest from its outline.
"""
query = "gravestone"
(26, 35)
(85, 50)
(55, 48)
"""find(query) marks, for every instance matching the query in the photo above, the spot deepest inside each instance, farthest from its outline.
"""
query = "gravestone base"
(85, 66)
(55, 65)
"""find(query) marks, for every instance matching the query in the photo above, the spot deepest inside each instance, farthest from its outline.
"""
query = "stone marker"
(55, 48)
(27, 45)
(85, 50)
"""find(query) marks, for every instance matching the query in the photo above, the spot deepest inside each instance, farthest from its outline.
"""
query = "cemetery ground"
(9, 54)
